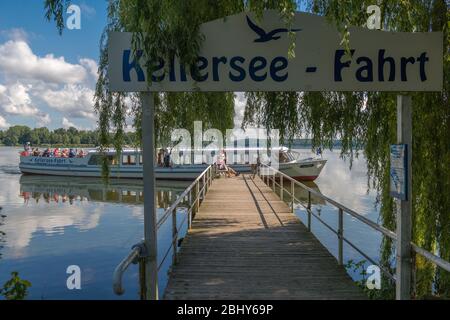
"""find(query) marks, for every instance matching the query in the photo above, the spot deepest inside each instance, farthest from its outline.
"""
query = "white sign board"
(398, 171)
(240, 53)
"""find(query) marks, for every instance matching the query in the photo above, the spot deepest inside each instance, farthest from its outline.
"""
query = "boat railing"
(270, 176)
(194, 194)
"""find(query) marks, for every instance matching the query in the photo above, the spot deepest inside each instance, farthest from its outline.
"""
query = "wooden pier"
(245, 243)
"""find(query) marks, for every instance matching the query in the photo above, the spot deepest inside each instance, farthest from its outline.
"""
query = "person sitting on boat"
(80, 153)
(56, 153)
(72, 153)
(36, 152)
(65, 153)
(160, 158)
(27, 147)
(167, 161)
(46, 153)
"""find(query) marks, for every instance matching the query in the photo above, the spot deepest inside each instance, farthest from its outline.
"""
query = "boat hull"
(76, 167)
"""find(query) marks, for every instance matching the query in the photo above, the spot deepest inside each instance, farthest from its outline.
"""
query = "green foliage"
(387, 287)
(18, 135)
(15, 288)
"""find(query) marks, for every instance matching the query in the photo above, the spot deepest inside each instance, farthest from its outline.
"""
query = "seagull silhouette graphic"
(264, 36)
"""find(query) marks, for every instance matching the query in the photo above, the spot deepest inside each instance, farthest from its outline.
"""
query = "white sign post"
(404, 201)
(241, 53)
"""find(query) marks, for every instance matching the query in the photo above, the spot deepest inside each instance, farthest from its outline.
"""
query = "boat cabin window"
(96, 159)
(128, 159)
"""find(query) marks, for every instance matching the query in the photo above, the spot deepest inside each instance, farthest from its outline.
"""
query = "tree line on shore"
(18, 135)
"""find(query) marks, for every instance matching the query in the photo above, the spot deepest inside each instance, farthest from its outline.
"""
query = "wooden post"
(174, 236)
(341, 237)
(404, 208)
(150, 237)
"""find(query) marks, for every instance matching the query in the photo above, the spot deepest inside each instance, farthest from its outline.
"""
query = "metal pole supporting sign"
(150, 239)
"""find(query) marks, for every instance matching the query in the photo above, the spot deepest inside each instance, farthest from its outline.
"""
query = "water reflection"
(53, 222)
(54, 189)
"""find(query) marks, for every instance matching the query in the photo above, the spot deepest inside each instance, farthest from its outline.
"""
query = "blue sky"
(26, 35)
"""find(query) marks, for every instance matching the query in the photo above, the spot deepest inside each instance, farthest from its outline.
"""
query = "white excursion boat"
(130, 166)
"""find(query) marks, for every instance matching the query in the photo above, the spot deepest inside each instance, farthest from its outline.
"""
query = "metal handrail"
(390, 234)
(122, 267)
(138, 250)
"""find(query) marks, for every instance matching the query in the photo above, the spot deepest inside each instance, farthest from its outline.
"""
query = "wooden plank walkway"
(245, 243)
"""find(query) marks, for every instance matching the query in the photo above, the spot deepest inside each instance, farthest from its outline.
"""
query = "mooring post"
(404, 207)
(150, 238)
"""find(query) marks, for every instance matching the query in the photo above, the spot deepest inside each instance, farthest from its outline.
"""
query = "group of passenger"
(164, 158)
(55, 153)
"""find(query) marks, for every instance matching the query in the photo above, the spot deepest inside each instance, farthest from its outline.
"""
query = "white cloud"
(3, 123)
(66, 124)
(17, 34)
(43, 120)
(15, 100)
(72, 100)
(29, 83)
(91, 66)
(18, 61)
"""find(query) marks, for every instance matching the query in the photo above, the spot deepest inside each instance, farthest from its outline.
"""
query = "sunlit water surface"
(51, 223)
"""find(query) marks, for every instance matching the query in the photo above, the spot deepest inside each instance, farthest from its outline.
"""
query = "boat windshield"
(293, 155)
(288, 156)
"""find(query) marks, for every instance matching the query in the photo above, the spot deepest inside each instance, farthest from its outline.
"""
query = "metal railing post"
(190, 208)
(197, 194)
(341, 237)
(273, 182)
(174, 235)
(293, 196)
(281, 187)
(309, 210)
(203, 188)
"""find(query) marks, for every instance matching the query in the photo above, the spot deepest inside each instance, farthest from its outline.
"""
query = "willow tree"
(364, 121)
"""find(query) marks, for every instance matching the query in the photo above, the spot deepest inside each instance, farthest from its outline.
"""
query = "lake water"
(51, 223)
